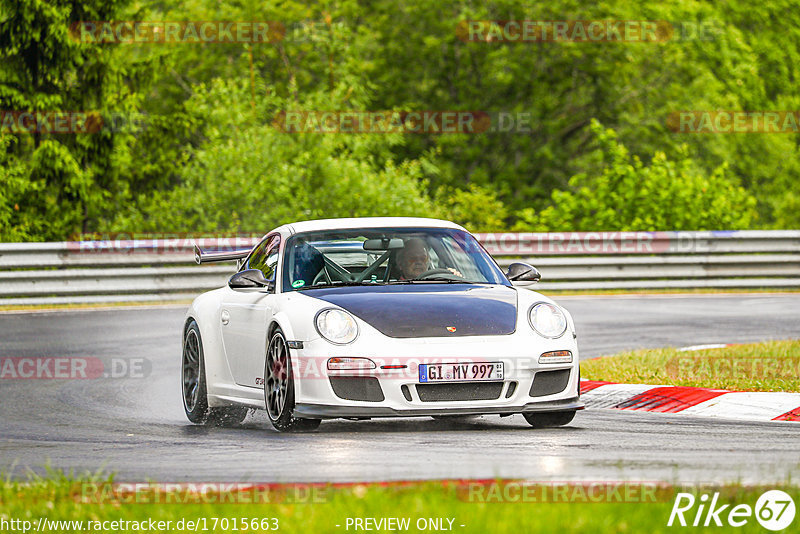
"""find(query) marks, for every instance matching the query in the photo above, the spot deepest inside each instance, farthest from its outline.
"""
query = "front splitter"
(322, 411)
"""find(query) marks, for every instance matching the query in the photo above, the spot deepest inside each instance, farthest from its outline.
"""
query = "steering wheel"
(323, 273)
(432, 272)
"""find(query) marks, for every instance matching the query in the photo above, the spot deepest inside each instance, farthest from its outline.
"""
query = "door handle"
(225, 317)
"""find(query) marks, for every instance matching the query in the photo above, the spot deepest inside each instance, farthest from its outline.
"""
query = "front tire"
(195, 390)
(549, 419)
(279, 388)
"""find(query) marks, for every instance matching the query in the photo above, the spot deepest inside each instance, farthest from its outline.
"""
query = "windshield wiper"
(433, 279)
(429, 280)
(337, 284)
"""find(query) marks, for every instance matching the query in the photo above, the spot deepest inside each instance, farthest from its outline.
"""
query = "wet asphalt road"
(136, 427)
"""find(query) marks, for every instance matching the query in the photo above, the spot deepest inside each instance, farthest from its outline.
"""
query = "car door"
(245, 314)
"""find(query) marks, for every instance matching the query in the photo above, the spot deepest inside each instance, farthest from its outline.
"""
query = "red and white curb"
(704, 402)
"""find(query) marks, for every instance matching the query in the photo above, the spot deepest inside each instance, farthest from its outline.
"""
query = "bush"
(628, 195)
(250, 176)
(476, 208)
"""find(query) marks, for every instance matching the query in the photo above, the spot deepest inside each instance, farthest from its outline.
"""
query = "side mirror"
(250, 280)
(523, 272)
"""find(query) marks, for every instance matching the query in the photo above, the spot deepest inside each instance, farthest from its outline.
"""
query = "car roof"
(365, 222)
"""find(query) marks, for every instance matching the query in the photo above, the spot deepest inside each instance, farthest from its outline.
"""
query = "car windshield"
(380, 256)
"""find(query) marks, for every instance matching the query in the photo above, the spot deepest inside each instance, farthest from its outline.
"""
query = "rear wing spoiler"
(208, 256)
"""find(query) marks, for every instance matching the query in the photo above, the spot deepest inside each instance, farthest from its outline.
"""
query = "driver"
(412, 259)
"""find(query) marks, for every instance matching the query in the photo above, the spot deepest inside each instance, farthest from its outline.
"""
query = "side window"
(265, 257)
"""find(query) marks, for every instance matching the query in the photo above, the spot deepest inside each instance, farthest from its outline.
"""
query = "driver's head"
(413, 258)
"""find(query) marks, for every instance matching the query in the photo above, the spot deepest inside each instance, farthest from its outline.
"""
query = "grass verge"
(460, 507)
(768, 366)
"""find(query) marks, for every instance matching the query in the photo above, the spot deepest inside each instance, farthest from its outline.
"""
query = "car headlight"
(548, 320)
(337, 326)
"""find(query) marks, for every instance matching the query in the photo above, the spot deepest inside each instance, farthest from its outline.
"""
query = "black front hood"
(428, 310)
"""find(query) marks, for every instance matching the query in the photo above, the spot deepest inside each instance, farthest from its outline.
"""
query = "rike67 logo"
(774, 510)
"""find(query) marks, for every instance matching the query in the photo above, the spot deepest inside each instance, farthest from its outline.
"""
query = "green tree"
(13, 184)
(386, 55)
(628, 195)
(721, 56)
(71, 181)
(249, 176)
(477, 208)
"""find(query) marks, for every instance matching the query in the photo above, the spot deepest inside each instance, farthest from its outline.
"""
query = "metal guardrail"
(97, 271)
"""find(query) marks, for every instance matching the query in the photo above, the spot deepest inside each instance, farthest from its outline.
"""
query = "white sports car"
(376, 317)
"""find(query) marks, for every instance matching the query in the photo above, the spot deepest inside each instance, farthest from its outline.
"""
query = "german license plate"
(459, 372)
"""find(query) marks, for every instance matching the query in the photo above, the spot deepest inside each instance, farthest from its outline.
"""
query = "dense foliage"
(625, 194)
(205, 154)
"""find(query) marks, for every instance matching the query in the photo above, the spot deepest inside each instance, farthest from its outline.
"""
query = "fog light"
(350, 363)
(556, 356)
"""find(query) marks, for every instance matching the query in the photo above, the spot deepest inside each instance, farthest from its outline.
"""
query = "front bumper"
(527, 385)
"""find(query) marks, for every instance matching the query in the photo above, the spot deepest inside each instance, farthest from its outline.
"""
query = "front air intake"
(549, 382)
(357, 388)
(463, 391)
